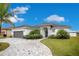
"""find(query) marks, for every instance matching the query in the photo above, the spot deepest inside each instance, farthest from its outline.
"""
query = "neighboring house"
(73, 33)
(6, 31)
(45, 30)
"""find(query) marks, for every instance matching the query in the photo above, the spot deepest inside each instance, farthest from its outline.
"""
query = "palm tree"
(4, 14)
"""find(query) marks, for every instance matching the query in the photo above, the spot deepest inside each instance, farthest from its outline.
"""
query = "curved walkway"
(23, 47)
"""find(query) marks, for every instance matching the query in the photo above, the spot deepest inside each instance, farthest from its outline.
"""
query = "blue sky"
(38, 13)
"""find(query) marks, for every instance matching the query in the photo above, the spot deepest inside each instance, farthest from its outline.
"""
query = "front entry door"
(46, 32)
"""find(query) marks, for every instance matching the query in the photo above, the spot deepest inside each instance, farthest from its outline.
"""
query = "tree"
(62, 34)
(4, 14)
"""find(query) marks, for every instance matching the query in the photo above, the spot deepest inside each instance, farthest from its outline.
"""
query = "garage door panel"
(18, 34)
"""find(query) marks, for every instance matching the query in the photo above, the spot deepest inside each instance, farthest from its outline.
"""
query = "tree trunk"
(0, 27)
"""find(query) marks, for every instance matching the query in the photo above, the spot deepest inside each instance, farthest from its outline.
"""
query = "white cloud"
(20, 10)
(55, 18)
(15, 19)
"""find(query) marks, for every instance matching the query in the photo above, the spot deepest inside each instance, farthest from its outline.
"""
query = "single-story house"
(51, 29)
(45, 30)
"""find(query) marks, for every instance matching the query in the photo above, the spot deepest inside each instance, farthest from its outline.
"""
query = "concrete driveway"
(23, 47)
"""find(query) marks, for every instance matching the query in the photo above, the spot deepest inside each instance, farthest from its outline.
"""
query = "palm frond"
(4, 9)
(8, 21)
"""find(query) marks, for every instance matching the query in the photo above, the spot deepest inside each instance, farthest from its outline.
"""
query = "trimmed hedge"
(35, 36)
(62, 34)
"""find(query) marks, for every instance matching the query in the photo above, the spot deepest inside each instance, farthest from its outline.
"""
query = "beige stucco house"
(45, 30)
(52, 29)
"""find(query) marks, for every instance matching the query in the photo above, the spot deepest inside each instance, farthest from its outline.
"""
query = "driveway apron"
(24, 47)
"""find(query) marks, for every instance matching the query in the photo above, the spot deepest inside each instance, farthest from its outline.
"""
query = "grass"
(3, 46)
(1, 36)
(63, 47)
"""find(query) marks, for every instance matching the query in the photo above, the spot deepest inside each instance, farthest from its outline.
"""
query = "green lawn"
(63, 47)
(3, 46)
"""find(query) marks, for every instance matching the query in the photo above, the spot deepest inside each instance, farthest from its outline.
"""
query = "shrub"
(52, 37)
(62, 34)
(34, 32)
(4, 35)
(10, 36)
(36, 36)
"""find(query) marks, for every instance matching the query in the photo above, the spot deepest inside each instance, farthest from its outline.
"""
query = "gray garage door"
(18, 34)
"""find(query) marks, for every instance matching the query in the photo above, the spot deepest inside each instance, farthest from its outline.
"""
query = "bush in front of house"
(10, 36)
(35, 36)
(34, 32)
(62, 34)
(4, 35)
(52, 37)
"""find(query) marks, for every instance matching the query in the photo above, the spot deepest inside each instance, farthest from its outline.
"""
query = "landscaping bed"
(63, 47)
(3, 46)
